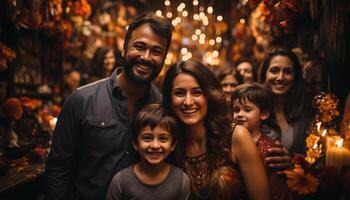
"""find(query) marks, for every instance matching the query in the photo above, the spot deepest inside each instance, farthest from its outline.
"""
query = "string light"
(167, 2)
(219, 18)
(169, 14)
(159, 13)
(201, 18)
(210, 10)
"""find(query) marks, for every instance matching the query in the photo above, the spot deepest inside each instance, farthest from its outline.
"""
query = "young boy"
(154, 137)
(253, 109)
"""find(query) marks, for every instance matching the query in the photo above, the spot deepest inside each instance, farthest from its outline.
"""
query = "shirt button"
(102, 123)
(127, 153)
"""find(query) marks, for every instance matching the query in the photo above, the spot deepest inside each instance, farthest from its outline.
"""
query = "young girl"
(154, 137)
(253, 108)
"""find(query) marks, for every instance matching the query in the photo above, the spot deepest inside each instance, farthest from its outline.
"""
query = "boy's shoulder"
(177, 173)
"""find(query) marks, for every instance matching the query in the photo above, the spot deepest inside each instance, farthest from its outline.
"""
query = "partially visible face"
(248, 115)
(188, 100)
(228, 84)
(154, 145)
(245, 69)
(280, 75)
(73, 80)
(145, 55)
(109, 61)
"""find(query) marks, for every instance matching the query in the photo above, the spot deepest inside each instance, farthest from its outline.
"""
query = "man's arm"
(61, 159)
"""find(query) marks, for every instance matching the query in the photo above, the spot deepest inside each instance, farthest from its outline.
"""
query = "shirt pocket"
(100, 133)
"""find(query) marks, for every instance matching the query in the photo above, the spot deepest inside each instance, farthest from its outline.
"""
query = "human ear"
(173, 146)
(134, 145)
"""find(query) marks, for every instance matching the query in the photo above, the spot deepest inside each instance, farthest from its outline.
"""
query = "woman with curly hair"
(214, 156)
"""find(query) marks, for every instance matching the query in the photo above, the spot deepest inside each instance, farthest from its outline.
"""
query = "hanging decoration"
(6, 55)
(198, 32)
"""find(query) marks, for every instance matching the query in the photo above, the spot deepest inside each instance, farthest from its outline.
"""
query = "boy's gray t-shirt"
(125, 185)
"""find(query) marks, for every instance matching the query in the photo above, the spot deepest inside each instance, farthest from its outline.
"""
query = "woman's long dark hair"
(294, 103)
(216, 123)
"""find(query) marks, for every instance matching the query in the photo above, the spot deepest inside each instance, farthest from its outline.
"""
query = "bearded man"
(91, 141)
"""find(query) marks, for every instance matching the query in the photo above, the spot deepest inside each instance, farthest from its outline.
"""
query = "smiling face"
(145, 54)
(188, 100)
(247, 114)
(154, 145)
(280, 75)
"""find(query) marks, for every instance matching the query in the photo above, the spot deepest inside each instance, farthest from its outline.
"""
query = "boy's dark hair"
(154, 115)
(159, 25)
(259, 95)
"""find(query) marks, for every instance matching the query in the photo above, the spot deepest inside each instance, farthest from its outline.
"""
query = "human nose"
(146, 55)
(155, 144)
(188, 100)
(280, 75)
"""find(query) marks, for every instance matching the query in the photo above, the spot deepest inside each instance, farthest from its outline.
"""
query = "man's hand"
(278, 159)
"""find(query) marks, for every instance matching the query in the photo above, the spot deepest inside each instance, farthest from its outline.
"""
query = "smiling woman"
(281, 71)
(205, 146)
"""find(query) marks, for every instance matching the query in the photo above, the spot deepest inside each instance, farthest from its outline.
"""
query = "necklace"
(197, 170)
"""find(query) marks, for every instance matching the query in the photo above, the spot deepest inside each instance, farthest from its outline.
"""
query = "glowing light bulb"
(159, 13)
(218, 39)
(211, 42)
(210, 10)
(219, 18)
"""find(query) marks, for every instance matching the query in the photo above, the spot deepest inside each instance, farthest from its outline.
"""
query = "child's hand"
(278, 158)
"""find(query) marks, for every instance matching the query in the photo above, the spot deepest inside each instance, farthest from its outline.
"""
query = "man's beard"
(130, 63)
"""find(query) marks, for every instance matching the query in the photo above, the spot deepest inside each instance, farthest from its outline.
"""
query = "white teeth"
(189, 111)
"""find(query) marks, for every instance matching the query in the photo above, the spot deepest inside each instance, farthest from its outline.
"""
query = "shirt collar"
(114, 85)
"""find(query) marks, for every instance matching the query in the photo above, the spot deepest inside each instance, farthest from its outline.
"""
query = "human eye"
(247, 109)
(157, 52)
(164, 138)
(274, 70)
(179, 92)
(139, 46)
(146, 137)
(288, 71)
(197, 92)
(236, 109)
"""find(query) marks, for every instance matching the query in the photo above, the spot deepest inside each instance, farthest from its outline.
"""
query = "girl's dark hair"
(154, 115)
(160, 25)
(216, 123)
(222, 73)
(97, 68)
(295, 98)
(262, 97)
